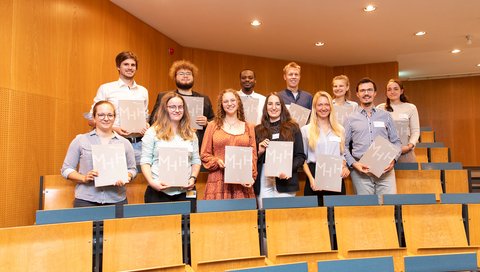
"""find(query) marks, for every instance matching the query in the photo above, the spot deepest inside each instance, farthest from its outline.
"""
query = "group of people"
(169, 125)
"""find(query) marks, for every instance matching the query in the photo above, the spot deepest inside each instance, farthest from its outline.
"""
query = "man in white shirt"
(247, 81)
(125, 88)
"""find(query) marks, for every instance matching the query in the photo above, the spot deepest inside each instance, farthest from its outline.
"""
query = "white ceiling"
(290, 29)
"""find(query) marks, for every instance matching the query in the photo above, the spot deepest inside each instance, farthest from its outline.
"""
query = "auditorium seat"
(155, 209)
(419, 182)
(152, 243)
(97, 213)
(421, 154)
(54, 247)
(441, 262)
(384, 264)
(368, 231)
(225, 240)
(290, 202)
(474, 225)
(350, 200)
(427, 136)
(298, 235)
(293, 267)
(224, 205)
(430, 145)
(406, 166)
(441, 166)
(136, 190)
(434, 229)
(439, 154)
(409, 199)
(456, 181)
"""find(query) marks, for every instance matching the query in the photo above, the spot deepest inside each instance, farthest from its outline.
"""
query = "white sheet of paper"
(379, 155)
(328, 173)
(278, 158)
(238, 165)
(132, 115)
(195, 108)
(299, 114)
(174, 166)
(250, 108)
(402, 130)
(110, 162)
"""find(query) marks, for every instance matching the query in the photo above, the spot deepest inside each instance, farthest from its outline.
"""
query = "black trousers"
(78, 203)
(308, 190)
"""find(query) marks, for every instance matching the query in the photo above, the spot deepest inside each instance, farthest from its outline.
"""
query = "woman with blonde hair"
(171, 129)
(341, 94)
(228, 128)
(322, 136)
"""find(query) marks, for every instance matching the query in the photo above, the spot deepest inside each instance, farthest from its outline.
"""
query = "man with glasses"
(125, 88)
(184, 72)
(361, 128)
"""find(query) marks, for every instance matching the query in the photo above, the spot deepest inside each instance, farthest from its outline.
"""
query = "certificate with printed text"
(174, 166)
(299, 114)
(132, 115)
(110, 162)
(328, 173)
(379, 155)
(238, 165)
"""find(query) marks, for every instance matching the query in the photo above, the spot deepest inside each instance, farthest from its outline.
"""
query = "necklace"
(231, 125)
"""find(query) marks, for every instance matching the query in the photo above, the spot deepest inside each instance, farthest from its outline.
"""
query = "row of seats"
(300, 232)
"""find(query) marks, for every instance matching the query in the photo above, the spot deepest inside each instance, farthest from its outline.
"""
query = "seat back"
(359, 228)
(350, 200)
(441, 262)
(52, 247)
(224, 205)
(293, 267)
(223, 235)
(156, 239)
(432, 226)
(75, 215)
(456, 181)
(421, 154)
(409, 199)
(418, 182)
(153, 209)
(439, 154)
(441, 165)
(56, 192)
(427, 136)
(290, 202)
(474, 224)
(136, 190)
(298, 230)
(460, 198)
(384, 264)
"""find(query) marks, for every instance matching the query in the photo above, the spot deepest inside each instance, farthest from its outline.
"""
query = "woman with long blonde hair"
(323, 135)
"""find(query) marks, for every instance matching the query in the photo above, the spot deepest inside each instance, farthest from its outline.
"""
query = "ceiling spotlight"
(478, 65)
(420, 33)
(255, 23)
(469, 39)
(319, 44)
(369, 8)
(456, 51)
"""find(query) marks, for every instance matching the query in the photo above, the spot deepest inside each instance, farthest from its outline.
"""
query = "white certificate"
(299, 114)
(328, 173)
(342, 113)
(174, 166)
(250, 108)
(278, 158)
(379, 155)
(132, 115)
(110, 162)
(403, 130)
(238, 165)
(195, 108)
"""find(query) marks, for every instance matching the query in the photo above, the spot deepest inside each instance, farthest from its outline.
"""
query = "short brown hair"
(182, 64)
(124, 56)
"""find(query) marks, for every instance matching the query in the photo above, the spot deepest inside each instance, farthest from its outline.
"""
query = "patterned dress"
(213, 149)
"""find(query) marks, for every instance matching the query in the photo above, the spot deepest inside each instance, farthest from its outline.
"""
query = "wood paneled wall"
(451, 107)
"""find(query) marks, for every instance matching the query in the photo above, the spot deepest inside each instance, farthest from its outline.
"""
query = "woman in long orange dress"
(227, 129)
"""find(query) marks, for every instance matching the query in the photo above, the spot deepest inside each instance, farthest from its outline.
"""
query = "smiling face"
(247, 80)
(229, 103)
(366, 93)
(175, 109)
(104, 117)
(274, 108)
(340, 88)
(292, 78)
(184, 79)
(127, 69)
(394, 91)
(322, 108)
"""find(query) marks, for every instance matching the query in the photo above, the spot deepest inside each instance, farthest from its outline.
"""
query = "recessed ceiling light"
(456, 51)
(478, 65)
(420, 33)
(319, 44)
(369, 8)
(255, 22)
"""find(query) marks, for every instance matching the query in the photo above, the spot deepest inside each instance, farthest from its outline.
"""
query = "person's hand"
(407, 148)
(191, 183)
(160, 185)
(283, 176)
(389, 167)
(361, 167)
(248, 185)
(145, 129)
(345, 171)
(90, 176)
(262, 146)
(201, 120)
(121, 131)
(120, 183)
(312, 184)
(220, 163)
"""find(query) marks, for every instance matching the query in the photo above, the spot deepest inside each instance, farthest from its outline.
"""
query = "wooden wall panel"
(450, 107)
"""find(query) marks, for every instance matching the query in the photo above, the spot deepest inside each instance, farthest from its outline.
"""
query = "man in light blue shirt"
(361, 128)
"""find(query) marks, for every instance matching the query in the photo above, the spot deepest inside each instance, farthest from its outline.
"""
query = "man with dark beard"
(183, 72)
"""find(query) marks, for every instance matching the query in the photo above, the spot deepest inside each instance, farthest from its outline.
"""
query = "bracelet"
(194, 178)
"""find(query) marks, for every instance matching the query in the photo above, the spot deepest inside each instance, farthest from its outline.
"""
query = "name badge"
(334, 138)
(379, 124)
(275, 136)
(403, 116)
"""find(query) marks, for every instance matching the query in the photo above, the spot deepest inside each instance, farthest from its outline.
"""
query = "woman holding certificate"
(170, 146)
(405, 116)
(228, 130)
(323, 138)
(341, 90)
(80, 155)
(277, 126)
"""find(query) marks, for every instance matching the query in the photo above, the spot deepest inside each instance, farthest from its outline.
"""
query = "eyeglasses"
(370, 90)
(102, 116)
(184, 73)
(173, 107)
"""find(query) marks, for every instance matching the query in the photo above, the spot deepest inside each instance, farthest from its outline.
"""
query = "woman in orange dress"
(227, 129)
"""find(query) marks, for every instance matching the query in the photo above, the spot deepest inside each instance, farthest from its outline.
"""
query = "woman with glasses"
(322, 136)
(227, 129)
(277, 125)
(402, 112)
(170, 129)
(79, 155)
